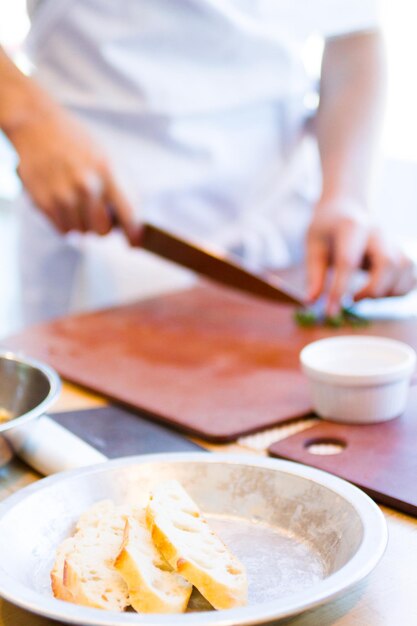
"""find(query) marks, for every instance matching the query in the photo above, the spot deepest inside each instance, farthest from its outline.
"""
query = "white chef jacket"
(200, 108)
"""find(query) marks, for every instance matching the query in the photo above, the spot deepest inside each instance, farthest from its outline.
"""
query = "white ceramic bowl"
(358, 379)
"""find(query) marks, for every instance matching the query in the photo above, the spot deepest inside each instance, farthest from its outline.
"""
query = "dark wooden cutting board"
(207, 360)
(379, 458)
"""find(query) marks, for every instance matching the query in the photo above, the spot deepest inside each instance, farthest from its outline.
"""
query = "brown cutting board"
(207, 360)
(202, 360)
(379, 458)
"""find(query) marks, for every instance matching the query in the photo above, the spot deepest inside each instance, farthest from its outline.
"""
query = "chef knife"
(217, 267)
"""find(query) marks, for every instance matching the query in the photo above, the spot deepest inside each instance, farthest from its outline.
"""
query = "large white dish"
(305, 536)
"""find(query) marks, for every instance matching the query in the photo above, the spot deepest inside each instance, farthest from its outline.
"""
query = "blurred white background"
(396, 200)
(399, 143)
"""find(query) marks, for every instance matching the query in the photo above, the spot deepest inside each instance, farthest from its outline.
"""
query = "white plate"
(305, 536)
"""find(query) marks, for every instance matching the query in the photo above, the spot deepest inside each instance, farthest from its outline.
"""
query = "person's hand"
(67, 176)
(342, 236)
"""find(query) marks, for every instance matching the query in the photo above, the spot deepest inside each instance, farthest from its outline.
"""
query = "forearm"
(64, 172)
(21, 100)
(348, 122)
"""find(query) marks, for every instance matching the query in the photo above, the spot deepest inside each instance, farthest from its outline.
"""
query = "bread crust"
(59, 590)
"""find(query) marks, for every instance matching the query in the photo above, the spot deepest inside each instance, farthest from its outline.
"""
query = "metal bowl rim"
(54, 389)
(358, 567)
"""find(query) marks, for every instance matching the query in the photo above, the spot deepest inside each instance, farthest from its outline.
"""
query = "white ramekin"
(358, 379)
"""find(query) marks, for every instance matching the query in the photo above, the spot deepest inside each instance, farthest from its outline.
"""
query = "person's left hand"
(342, 236)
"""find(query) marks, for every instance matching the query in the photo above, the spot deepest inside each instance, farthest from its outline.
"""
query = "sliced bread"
(186, 541)
(84, 572)
(153, 585)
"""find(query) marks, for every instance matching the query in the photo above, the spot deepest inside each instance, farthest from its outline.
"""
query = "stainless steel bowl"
(27, 389)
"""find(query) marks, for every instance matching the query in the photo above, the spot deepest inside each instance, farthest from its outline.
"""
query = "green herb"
(307, 318)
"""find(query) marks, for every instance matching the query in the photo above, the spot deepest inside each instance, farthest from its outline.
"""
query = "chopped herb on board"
(307, 318)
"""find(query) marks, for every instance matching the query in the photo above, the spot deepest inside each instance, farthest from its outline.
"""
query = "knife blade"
(216, 266)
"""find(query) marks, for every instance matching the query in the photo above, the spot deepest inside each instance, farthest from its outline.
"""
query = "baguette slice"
(186, 541)
(88, 519)
(153, 585)
(83, 572)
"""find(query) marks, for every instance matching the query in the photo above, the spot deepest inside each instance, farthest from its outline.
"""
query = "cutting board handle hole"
(325, 446)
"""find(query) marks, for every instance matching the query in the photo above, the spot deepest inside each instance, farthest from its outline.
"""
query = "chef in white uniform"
(192, 114)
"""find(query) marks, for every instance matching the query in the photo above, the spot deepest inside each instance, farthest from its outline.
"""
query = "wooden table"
(388, 597)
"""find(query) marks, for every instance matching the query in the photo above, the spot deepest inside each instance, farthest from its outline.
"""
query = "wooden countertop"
(386, 598)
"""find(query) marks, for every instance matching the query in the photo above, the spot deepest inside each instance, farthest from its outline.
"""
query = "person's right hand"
(67, 176)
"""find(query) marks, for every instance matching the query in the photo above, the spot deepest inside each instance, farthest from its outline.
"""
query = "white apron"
(199, 106)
